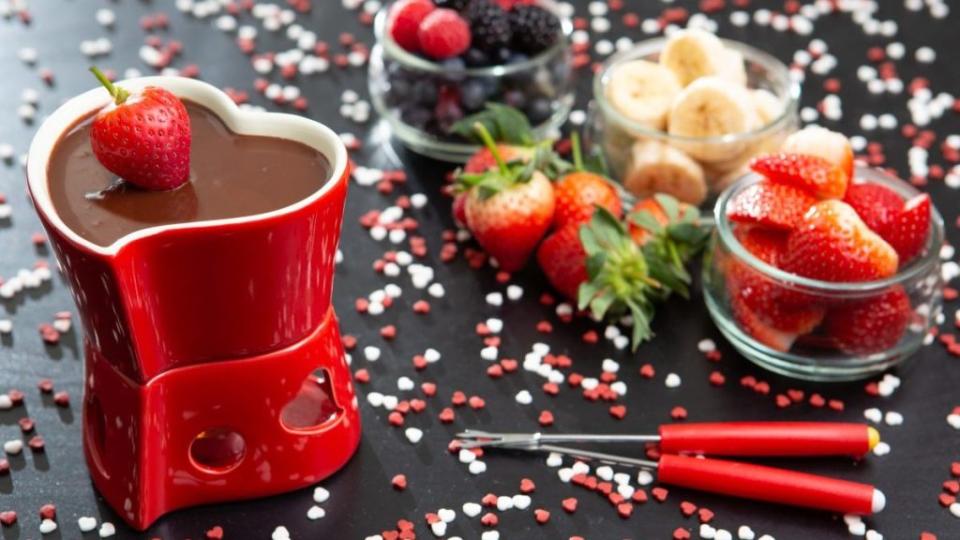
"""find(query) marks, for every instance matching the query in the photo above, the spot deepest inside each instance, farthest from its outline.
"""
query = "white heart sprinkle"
(280, 533)
(466, 456)
(320, 495)
(874, 535)
(87, 523)
(565, 474)
(881, 449)
(5, 402)
(107, 530)
(472, 509)
(893, 418)
(554, 460)
(405, 384)
(490, 535)
(745, 533)
(954, 420)
(955, 509)
(873, 414)
(47, 526)
(605, 473)
(447, 515)
(438, 528)
(524, 397)
(414, 434)
(477, 467)
(504, 503)
(644, 478)
(672, 380)
(723, 534)
(707, 531)
(521, 501)
(13, 447)
(857, 529)
(315, 512)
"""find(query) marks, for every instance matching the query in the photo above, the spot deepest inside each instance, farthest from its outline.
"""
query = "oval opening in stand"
(218, 449)
(313, 405)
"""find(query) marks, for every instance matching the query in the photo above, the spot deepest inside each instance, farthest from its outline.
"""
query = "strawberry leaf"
(504, 123)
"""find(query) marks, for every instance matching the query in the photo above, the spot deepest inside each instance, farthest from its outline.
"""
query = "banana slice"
(711, 107)
(768, 106)
(694, 53)
(643, 92)
(656, 167)
(733, 68)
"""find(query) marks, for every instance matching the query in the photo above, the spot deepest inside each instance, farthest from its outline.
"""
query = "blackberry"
(534, 28)
(452, 4)
(489, 25)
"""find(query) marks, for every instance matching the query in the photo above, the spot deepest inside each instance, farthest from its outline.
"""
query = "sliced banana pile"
(695, 95)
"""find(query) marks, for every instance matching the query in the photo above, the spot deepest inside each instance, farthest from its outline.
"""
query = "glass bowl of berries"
(684, 114)
(439, 61)
(818, 277)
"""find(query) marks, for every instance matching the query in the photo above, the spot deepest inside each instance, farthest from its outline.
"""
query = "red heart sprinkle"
(489, 500)
(647, 371)
(527, 486)
(399, 482)
(26, 424)
(705, 515)
(495, 371)
(952, 486)
(542, 516)
(795, 395)
(458, 398)
(659, 493)
(546, 419)
(215, 533)
(509, 365)
(446, 415)
(477, 402)
(816, 400)
(489, 520)
(395, 419)
(8, 517)
(782, 401)
(717, 379)
(946, 499)
(570, 505)
(639, 496)
(429, 389)
(625, 509)
(48, 511)
(687, 508)
(681, 534)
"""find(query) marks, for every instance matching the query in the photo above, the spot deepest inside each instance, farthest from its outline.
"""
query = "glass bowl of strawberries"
(437, 62)
(822, 271)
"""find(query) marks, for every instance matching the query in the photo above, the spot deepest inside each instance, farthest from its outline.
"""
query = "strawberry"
(768, 301)
(769, 204)
(482, 160)
(832, 243)
(812, 173)
(143, 138)
(443, 34)
(750, 323)
(563, 260)
(870, 325)
(404, 20)
(507, 209)
(875, 204)
(908, 229)
(817, 141)
(581, 191)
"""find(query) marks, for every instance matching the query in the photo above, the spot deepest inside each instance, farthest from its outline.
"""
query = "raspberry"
(444, 34)
(404, 21)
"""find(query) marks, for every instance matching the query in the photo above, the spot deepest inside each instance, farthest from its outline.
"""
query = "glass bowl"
(405, 90)
(731, 274)
(722, 159)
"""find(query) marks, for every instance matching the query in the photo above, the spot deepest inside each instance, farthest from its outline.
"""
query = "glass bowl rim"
(410, 60)
(916, 268)
(750, 54)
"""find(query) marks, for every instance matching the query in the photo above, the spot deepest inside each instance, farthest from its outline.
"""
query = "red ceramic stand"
(214, 366)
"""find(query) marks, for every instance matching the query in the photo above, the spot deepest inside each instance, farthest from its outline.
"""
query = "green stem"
(491, 145)
(577, 154)
(119, 94)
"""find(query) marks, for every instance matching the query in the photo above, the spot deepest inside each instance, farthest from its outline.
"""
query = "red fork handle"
(768, 484)
(768, 439)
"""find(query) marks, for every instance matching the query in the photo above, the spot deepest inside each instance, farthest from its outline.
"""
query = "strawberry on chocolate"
(143, 138)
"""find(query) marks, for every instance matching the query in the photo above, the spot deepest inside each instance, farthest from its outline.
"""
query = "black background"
(362, 502)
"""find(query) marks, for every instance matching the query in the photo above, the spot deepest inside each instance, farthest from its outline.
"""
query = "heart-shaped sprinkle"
(47, 526)
(618, 411)
(315, 512)
(542, 516)
(8, 518)
(472, 509)
(687, 508)
(639, 496)
(447, 515)
(569, 505)
(546, 419)
(87, 523)
(26, 424)
(280, 533)
(215, 533)
(477, 402)
(107, 530)
(705, 515)
(527, 485)
(659, 493)
(625, 509)
(48, 511)
(446, 415)
(489, 520)
(681, 534)
(399, 482)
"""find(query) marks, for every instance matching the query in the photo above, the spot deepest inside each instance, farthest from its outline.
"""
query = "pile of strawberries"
(521, 198)
(809, 216)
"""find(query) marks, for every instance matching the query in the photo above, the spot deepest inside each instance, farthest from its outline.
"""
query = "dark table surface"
(362, 501)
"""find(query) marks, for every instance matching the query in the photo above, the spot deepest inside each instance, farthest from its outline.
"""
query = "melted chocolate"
(231, 175)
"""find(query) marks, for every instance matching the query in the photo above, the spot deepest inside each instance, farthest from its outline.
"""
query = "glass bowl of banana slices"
(684, 114)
